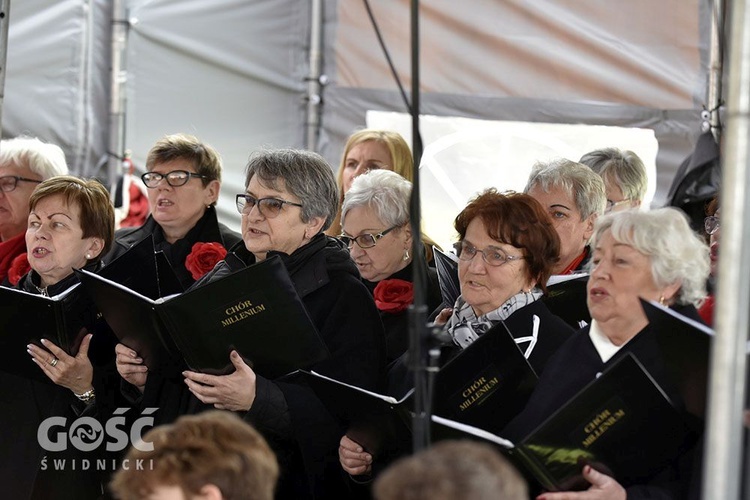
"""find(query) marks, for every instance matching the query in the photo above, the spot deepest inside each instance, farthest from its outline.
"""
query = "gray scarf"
(465, 327)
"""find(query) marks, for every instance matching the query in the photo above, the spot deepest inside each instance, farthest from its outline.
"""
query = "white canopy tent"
(237, 73)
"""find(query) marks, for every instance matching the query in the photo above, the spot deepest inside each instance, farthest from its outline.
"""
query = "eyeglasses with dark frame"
(9, 182)
(711, 224)
(365, 240)
(268, 207)
(175, 178)
(492, 255)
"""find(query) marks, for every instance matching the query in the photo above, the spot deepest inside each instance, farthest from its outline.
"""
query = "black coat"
(289, 415)
(576, 364)
(207, 230)
(396, 325)
(553, 332)
(27, 403)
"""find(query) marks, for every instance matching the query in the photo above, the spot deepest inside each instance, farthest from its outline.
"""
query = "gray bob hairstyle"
(622, 168)
(678, 255)
(386, 192)
(585, 185)
(305, 175)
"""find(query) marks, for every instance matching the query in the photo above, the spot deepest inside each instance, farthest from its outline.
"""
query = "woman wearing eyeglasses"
(183, 181)
(24, 163)
(375, 227)
(289, 200)
(372, 149)
(507, 248)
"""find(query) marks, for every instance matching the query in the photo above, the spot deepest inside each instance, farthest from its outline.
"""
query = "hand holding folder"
(622, 424)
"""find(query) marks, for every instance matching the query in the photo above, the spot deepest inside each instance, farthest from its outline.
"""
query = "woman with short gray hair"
(624, 175)
(574, 197)
(653, 256)
(375, 227)
(677, 254)
(300, 173)
(289, 200)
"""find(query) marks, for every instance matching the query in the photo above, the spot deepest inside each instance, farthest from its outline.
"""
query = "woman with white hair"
(375, 227)
(650, 255)
(24, 163)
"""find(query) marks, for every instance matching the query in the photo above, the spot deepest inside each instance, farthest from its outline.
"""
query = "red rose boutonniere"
(203, 257)
(394, 295)
(18, 269)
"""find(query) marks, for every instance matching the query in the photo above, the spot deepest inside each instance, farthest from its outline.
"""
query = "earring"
(406, 254)
(662, 300)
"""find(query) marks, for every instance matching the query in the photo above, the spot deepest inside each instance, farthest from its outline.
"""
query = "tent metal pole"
(716, 62)
(315, 80)
(4, 26)
(117, 99)
(724, 433)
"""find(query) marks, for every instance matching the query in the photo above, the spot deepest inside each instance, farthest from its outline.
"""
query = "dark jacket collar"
(309, 266)
(206, 229)
(31, 282)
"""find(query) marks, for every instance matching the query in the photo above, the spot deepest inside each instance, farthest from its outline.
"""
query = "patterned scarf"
(465, 327)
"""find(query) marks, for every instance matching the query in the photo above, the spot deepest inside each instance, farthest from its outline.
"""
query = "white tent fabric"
(233, 72)
(56, 83)
(635, 64)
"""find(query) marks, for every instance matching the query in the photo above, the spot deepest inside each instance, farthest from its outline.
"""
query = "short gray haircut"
(386, 192)
(306, 175)
(44, 159)
(677, 253)
(583, 183)
(622, 168)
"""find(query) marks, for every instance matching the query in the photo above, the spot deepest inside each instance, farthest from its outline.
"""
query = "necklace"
(42, 291)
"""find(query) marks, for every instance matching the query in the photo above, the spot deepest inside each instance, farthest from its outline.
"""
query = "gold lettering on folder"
(476, 391)
(240, 311)
(600, 424)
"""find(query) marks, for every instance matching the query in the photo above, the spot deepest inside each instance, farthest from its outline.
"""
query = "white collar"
(602, 344)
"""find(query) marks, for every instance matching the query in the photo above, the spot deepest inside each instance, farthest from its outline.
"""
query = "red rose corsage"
(393, 295)
(18, 269)
(203, 257)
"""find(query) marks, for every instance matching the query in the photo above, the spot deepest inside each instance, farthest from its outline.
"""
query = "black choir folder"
(26, 318)
(622, 424)
(67, 317)
(566, 298)
(685, 346)
(255, 310)
(144, 270)
(485, 385)
(446, 265)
